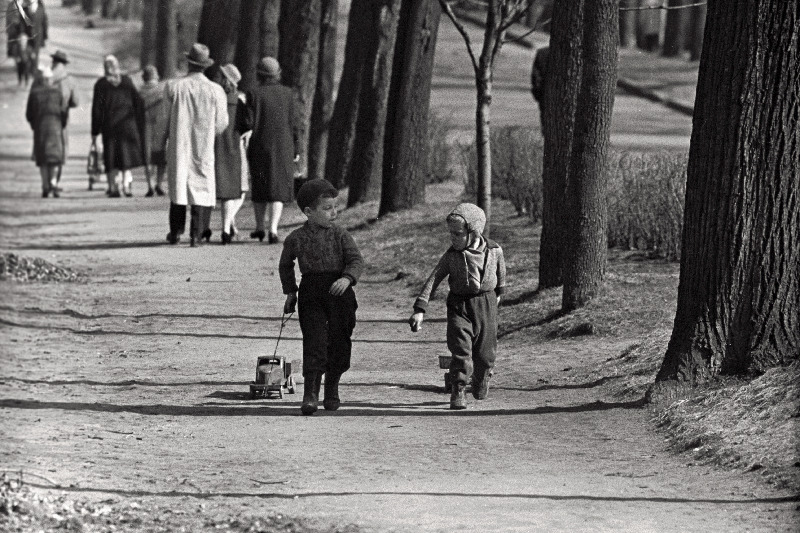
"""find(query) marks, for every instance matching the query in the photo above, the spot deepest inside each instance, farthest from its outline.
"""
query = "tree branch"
(460, 27)
(662, 6)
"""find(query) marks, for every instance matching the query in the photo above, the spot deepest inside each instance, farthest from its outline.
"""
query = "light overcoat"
(197, 112)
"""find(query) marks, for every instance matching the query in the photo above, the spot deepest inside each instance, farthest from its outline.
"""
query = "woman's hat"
(269, 67)
(199, 55)
(231, 73)
(59, 57)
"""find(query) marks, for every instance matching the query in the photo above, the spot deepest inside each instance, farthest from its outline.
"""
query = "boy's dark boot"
(311, 393)
(480, 384)
(331, 401)
(457, 399)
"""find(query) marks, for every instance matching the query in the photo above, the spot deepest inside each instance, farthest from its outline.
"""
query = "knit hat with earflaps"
(473, 215)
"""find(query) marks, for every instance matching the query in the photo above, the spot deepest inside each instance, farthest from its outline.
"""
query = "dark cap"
(313, 189)
(59, 57)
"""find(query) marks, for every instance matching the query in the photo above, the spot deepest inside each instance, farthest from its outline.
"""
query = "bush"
(645, 201)
(516, 168)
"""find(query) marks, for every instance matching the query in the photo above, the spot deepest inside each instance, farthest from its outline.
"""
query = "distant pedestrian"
(330, 265)
(197, 113)
(118, 114)
(66, 84)
(45, 115)
(477, 277)
(19, 47)
(539, 75)
(228, 152)
(37, 28)
(155, 134)
(272, 147)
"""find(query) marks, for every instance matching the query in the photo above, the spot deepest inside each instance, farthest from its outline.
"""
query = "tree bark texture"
(676, 29)
(219, 28)
(149, 33)
(345, 110)
(564, 72)
(627, 24)
(258, 23)
(586, 207)
(405, 155)
(365, 172)
(698, 29)
(322, 108)
(167, 41)
(739, 291)
(299, 57)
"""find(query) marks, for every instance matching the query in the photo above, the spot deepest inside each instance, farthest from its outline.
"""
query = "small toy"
(273, 373)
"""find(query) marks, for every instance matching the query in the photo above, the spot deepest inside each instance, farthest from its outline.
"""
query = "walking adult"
(118, 114)
(155, 135)
(228, 152)
(37, 27)
(197, 113)
(541, 59)
(17, 45)
(272, 147)
(44, 113)
(66, 85)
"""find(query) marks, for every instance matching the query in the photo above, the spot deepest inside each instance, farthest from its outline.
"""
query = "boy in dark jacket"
(477, 271)
(330, 264)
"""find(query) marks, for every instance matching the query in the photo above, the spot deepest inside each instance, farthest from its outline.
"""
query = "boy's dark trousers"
(200, 217)
(471, 334)
(327, 323)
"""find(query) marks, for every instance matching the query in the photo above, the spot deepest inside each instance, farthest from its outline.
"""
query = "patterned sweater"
(472, 271)
(319, 250)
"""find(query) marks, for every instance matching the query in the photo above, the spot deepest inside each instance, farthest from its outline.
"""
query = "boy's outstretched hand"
(339, 286)
(291, 303)
(416, 321)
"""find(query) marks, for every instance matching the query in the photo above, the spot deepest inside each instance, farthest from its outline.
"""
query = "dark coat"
(118, 114)
(37, 31)
(272, 146)
(45, 115)
(228, 153)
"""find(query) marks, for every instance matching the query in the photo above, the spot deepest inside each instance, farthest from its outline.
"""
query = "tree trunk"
(345, 110)
(405, 156)
(89, 6)
(299, 57)
(586, 209)
(676, 29)
(558, 119)
(483, 83)
(323, 95)
(698, 29)
(167, 41)
(219, 28)
(364, 176)
(739, 291)
(258, 23)
(627, 24)
(149, 33)
(534, 14)
(270, 29)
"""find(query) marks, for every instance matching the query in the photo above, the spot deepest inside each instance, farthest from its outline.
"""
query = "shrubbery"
(645, 189)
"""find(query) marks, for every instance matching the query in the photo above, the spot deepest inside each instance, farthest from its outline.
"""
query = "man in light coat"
(197, 112)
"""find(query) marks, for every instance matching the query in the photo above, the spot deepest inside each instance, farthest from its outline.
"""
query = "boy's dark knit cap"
(313, 189)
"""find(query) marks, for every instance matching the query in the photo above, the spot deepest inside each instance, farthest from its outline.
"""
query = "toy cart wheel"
(290, 385)
(448, 383)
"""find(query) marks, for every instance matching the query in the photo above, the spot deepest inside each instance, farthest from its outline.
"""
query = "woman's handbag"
(94, 165)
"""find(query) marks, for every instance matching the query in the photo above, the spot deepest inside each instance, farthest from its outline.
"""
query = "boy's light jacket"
(479, 268)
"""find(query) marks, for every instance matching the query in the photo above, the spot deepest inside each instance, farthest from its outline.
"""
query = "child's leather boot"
(311, 393)
(331, 401)
(457, 399)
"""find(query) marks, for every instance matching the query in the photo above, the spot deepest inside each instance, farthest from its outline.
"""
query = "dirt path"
(133, 387)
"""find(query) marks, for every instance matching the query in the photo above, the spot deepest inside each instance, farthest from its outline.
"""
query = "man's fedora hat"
(199, 55)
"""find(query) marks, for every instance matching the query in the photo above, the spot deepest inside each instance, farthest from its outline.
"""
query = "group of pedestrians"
(200, 134)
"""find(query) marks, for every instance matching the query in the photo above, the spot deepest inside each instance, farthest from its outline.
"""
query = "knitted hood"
(472, 215)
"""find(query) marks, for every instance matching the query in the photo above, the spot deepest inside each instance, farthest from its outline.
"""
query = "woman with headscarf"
(227, 151)
(45, 114)
(272, 147)
(118, 114)
(155, 139)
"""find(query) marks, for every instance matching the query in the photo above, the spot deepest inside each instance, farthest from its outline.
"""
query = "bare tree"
(258, 36)
(322, 109)
(739, 291)
(219, 28)
(698, 29)
(405, 153)
(677, 28)
(500, 15)
(627, 24)
(149, 33)
(167, 39)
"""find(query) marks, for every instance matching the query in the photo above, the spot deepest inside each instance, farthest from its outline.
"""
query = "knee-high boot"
(311, 393)
(331, 401)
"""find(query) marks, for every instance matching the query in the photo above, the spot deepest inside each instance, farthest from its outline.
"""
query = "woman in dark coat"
(44, 112)
(272, 148)
(228, 151)
(118, 114)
